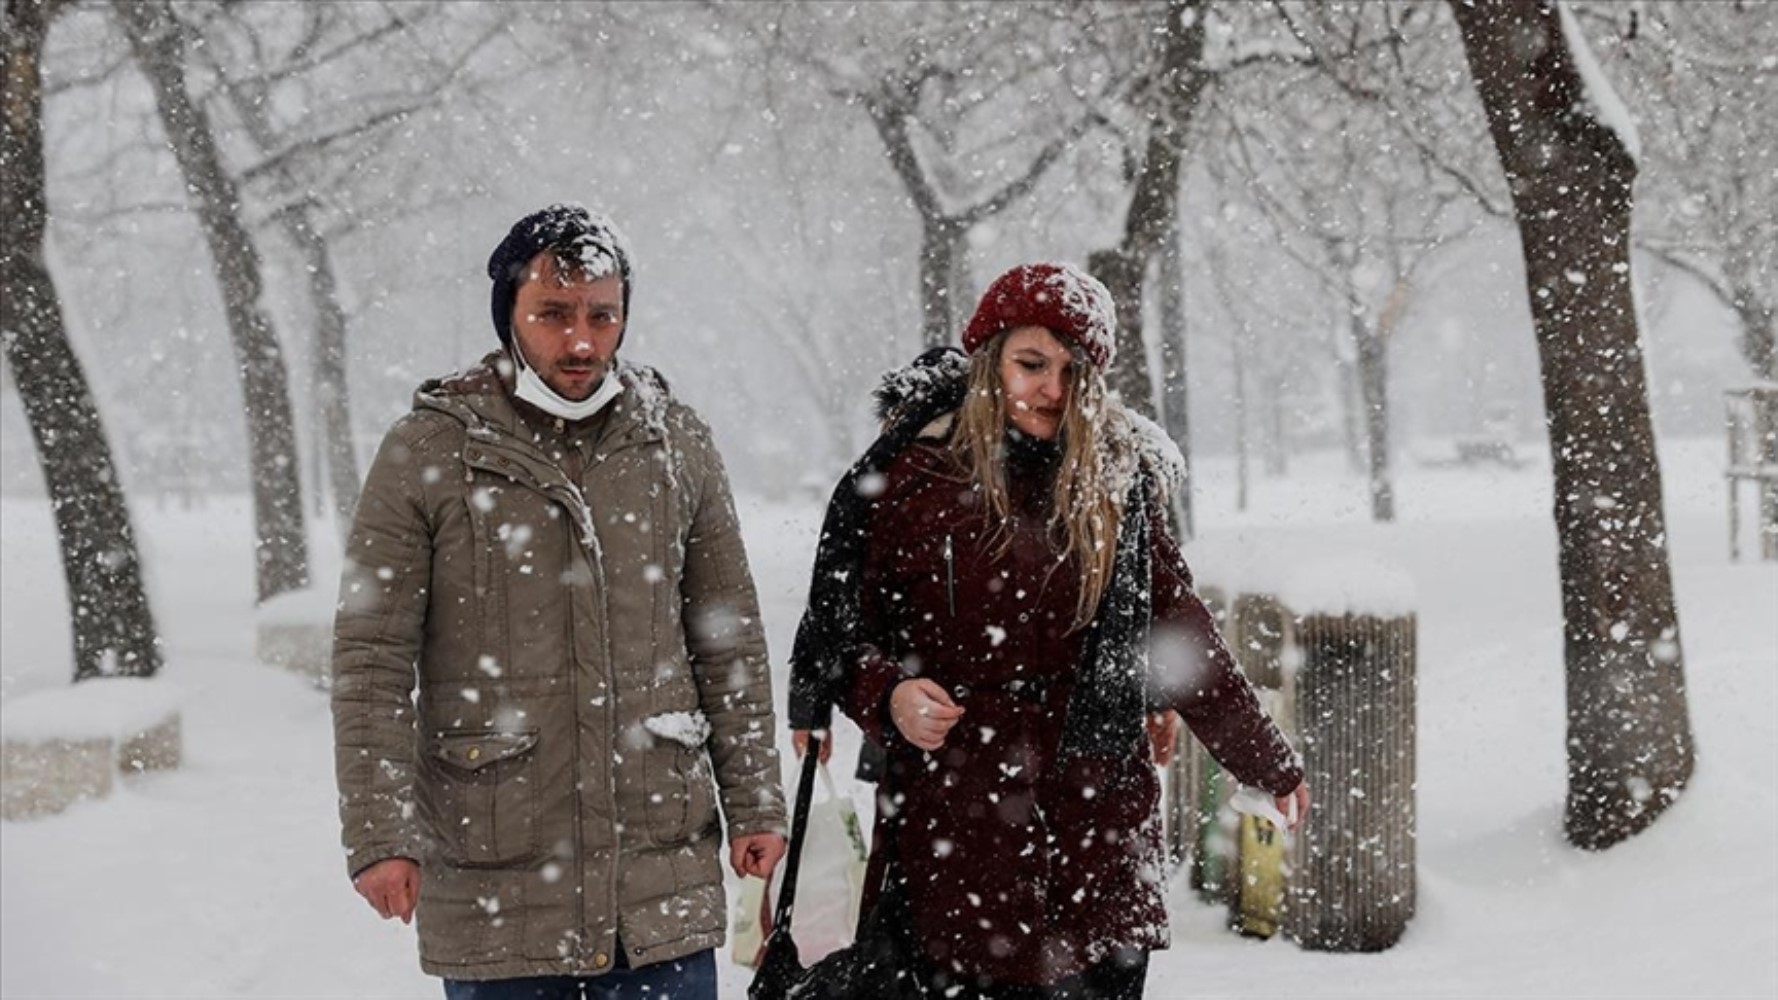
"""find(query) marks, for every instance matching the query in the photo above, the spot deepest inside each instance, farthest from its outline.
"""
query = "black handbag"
(883, 963)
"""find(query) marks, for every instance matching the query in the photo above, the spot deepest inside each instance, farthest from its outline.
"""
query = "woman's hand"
(1295, 806)
(799, 738)
(923, 712)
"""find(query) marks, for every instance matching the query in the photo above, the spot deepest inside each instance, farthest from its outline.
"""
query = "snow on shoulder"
(926, 377)
(648, 392)
(1157, 452)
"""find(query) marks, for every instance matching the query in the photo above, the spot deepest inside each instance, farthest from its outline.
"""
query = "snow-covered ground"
(224, 879)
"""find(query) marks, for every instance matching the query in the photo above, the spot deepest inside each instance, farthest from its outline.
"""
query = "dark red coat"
(1022, 867)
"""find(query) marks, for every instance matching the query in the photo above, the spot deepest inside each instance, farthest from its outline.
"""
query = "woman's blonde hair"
(1085, 511)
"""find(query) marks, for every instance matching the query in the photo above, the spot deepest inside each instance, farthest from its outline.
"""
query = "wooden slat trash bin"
(1339, 679)
(1351, 884)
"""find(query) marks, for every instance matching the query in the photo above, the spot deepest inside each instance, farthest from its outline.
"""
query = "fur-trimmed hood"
(934, 384)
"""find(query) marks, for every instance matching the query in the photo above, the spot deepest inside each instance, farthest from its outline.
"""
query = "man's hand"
(756, 854)
(799, 738)
(923, 712)
(1163, 735)
(391, 887)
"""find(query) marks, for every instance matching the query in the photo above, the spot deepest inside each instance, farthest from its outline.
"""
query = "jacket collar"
(481, 398)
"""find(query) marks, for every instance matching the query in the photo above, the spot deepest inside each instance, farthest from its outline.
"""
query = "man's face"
(568, 328)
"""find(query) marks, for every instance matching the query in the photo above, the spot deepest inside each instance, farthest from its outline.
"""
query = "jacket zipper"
(574, 693)
(602, 605)
(950, 578)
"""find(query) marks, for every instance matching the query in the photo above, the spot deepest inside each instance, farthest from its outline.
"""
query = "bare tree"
(1171, 92)
(114, 631)
(1363, 218)
(968, 100)
(157, 39)
(312, 160)
(1175, 66)
(1703, 74)
(1563, 141)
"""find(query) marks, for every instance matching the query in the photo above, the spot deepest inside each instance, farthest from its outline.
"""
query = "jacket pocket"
(484, 796)
(681, 796)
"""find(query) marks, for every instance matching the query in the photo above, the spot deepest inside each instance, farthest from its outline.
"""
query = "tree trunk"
(332, 399)
(1154, 204)
(1373, 385)
(1373, 373)
(1753, 305)
(334, 460)
(157, 40)
(1278, 441)
(1174, 397)
(1765, 452)
(114, 631)
(1630, 751)
(1759, 333)
(1351, 401)
(1759, 345)
(1121, 274)
(941, 247)
(1243, 444)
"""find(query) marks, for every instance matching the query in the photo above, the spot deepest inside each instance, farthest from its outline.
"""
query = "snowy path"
(224, 879)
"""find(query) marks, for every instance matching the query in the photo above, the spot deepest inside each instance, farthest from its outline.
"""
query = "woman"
(999, 604)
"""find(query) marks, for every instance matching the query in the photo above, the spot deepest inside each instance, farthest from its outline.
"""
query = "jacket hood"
(934, 381)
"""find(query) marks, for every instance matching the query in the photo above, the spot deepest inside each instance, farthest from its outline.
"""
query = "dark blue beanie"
(574, 233)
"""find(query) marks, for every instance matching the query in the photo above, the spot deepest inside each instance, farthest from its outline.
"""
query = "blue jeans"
(690, 978)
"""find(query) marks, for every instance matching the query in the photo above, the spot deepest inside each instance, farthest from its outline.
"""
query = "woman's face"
(1036, 376)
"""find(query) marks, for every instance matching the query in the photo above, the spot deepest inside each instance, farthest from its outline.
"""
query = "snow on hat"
(1062, 298)
(569, 228)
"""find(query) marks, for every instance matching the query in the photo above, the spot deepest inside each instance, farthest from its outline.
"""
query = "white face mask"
(531, 388)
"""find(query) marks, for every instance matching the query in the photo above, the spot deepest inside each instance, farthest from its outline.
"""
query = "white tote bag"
(830, 886)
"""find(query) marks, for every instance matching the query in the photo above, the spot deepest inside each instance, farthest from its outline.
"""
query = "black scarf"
(1105, 712)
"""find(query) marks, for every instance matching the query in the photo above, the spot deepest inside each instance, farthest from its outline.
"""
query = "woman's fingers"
(1295, 806)
(923, 712)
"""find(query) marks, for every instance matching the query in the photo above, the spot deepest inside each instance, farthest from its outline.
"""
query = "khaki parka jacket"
(548, 667)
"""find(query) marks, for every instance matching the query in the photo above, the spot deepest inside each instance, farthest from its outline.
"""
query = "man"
(547, 647)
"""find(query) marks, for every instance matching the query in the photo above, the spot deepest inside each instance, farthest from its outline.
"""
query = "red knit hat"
(1062, 298)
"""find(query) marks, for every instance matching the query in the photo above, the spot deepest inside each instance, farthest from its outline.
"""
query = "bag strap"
(799, 827)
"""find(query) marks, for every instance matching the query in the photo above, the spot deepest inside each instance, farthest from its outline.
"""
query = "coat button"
(601, 960)
(475, 753)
